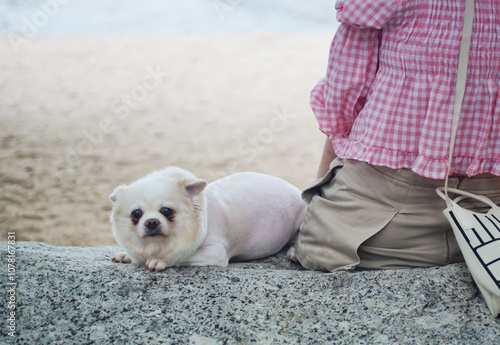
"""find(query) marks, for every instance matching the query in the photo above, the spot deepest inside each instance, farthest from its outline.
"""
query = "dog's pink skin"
(250, 216)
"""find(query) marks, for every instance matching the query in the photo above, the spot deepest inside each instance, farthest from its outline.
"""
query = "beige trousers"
(370, 217)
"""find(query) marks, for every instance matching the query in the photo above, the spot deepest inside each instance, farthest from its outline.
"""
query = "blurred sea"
(104, 17)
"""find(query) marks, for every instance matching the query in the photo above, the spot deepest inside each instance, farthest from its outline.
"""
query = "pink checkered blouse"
(387, 98)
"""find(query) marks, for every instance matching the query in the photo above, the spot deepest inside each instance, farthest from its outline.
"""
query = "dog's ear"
(116, 193)
(194, 188)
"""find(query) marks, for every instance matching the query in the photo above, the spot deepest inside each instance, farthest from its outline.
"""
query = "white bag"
(477, 234)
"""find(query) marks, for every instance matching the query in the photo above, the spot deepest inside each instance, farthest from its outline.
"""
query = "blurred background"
(84, 17)
(94, 94)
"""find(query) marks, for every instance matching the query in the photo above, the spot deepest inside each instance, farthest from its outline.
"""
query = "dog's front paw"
(156, 265)
(122, 257)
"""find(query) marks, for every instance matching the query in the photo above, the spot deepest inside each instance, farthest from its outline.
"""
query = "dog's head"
(159, 215)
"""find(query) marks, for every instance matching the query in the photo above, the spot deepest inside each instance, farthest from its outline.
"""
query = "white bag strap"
(466, 195)
(463, 62)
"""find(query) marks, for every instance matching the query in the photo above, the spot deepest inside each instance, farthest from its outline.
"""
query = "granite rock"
(76, 295)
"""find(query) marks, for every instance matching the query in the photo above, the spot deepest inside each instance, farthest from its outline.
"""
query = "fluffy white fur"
(244, 216)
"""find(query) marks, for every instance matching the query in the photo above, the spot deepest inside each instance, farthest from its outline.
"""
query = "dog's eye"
(136, 214)
(167, 212)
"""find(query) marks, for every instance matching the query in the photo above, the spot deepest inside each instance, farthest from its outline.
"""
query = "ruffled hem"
(434, 168)
(366, 13)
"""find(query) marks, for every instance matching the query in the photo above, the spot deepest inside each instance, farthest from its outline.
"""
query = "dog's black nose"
(153, 227)
(152, 223)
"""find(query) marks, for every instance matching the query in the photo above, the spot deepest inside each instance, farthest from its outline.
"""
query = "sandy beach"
(82, 114)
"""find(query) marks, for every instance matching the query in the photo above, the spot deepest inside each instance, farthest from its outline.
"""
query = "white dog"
(171, 218)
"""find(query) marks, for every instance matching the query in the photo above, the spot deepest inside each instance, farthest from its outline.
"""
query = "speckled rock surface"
(73, 295)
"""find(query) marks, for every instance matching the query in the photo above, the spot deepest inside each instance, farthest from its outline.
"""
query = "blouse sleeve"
(352, 67)
(366, 13)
